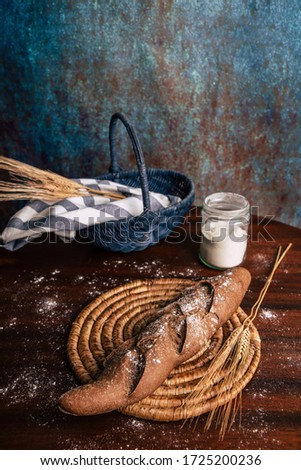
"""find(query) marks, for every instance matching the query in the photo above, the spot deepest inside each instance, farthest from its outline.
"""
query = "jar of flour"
(224, 230)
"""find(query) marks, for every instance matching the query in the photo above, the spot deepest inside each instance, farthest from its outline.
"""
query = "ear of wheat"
(231, 359)
(29, 182)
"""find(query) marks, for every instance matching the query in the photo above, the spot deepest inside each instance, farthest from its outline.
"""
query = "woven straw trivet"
(122, 312)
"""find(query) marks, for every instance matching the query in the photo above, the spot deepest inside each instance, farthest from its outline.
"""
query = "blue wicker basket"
(147, 229)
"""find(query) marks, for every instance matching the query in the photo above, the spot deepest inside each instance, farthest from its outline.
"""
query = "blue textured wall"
(213, 88)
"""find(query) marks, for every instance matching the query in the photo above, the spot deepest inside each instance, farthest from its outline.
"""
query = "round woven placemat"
(121, 313)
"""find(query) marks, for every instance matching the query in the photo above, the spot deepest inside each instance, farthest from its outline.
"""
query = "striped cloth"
(65, 217)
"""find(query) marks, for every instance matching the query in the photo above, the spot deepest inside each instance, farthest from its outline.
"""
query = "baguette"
(141, 364)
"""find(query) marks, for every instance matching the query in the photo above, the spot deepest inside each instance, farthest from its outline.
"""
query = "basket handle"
(114, 168)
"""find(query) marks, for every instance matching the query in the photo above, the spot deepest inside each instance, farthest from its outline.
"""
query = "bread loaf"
(140, 365)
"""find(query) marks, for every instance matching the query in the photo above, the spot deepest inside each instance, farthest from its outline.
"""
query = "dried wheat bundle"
(29, 182)
(228, 362)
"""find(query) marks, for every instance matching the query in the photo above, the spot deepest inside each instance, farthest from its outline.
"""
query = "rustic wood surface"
(45, 285)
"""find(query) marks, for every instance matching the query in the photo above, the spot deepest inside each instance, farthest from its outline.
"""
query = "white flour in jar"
(223, 244)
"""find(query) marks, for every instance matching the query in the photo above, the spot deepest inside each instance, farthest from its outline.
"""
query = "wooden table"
(45, 286)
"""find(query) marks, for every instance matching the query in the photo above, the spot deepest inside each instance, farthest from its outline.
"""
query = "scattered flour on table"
(262, 259)
(257, 424)
(32, 382)
(38, 280)
(47, 305)
(146, 436)
(276, 320)
(267, 314)
(154, 268)
(12, 322)
(42, 373)
(55, 271)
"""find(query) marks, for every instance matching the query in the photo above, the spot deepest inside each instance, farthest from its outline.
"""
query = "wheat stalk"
(29, 182)
(231, 358)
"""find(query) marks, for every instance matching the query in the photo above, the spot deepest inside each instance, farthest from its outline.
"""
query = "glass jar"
(225, 220)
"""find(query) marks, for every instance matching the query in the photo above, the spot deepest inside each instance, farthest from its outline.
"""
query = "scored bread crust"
(141, 364)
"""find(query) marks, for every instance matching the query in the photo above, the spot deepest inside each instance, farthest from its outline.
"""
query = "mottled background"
(212, 87)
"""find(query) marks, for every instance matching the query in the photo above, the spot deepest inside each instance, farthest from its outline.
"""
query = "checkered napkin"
(65, 217)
